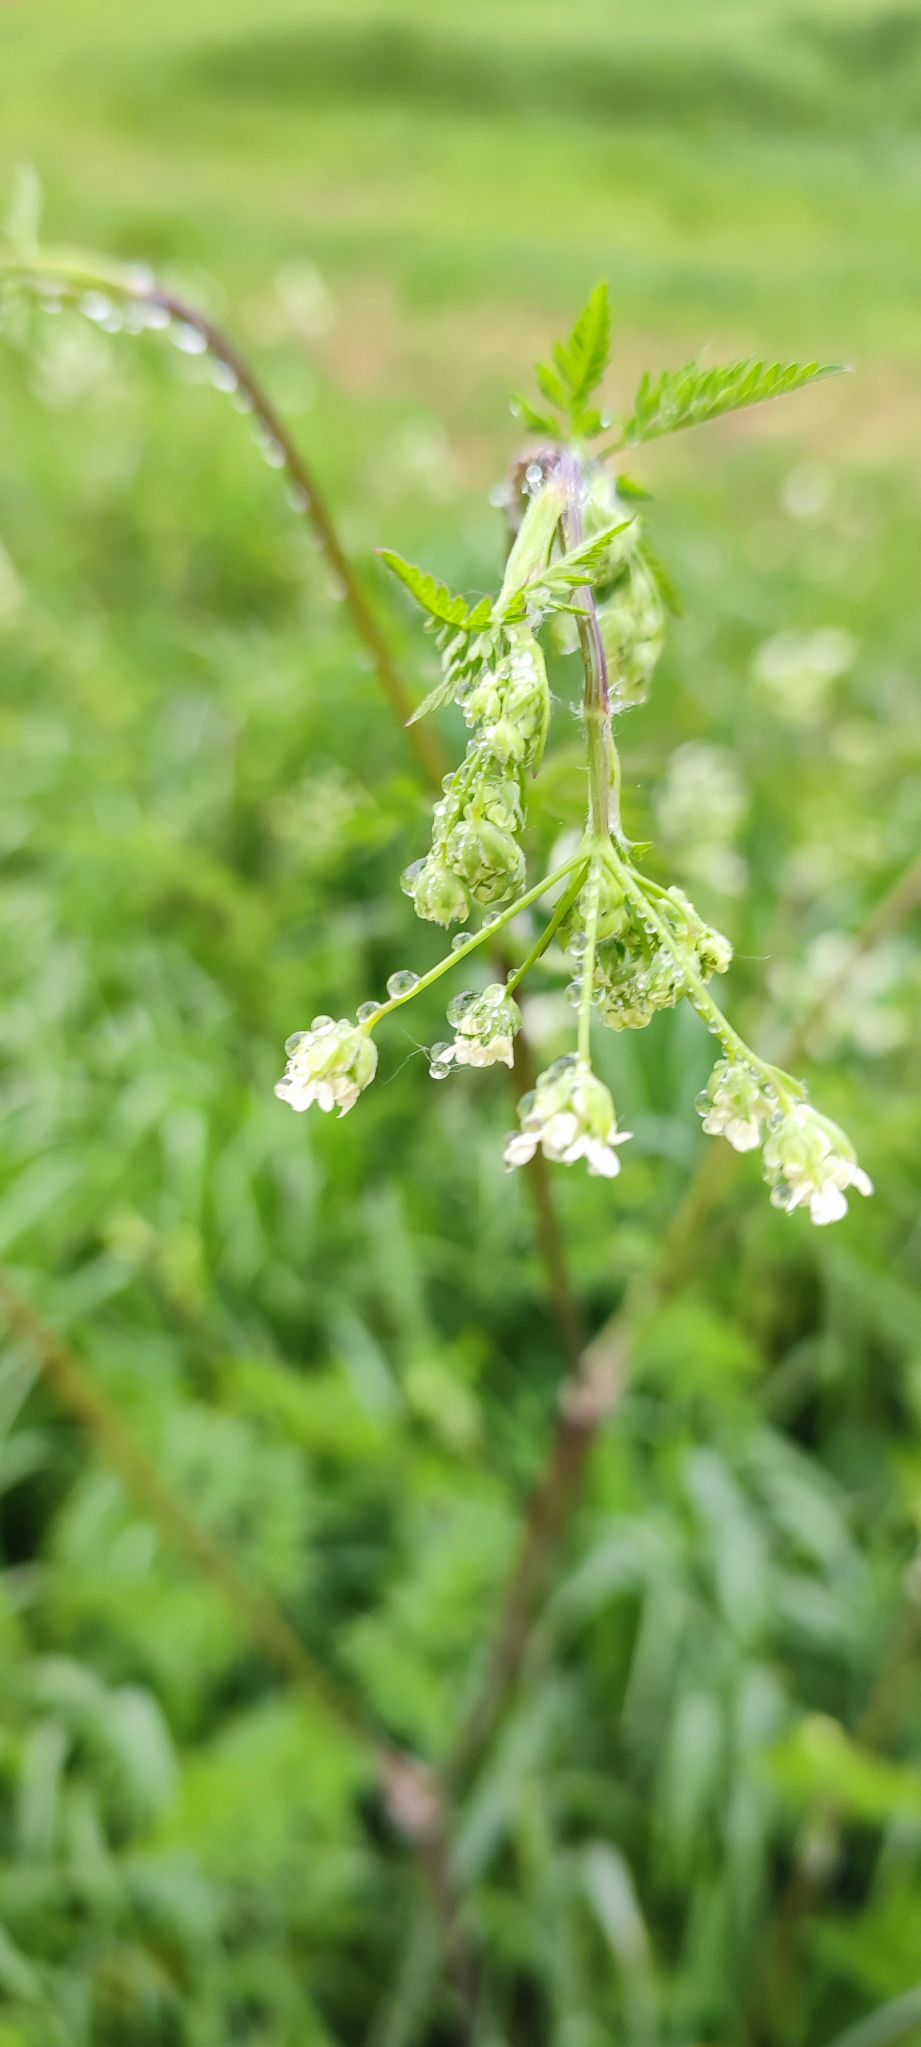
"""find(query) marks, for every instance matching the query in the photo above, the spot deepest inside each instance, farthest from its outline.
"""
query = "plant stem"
(592, 1394)
(588, 965)
(563, 907)
(78, 273)
(75, 272)
(478, 938)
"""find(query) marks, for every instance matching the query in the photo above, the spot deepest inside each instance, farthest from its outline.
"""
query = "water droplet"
(96, 306)
(574, 993)
(156, 318)
(441, 1054)
(291, 1044)
(437, 1071)
(402, 982)
(461, 1006)
(190, 340)
(223, 376)
(410, 876)
(272, 451)
(366, 1010)
(533, 477)
(298, 498)
(460, 939)
(322, 1024)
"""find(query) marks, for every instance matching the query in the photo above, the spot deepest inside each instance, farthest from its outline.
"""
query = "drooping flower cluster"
(476, 855)
(578, 564)
(631, 613)
(331, 1064)
(646, 964)
(808, 1161)
(570, 1115)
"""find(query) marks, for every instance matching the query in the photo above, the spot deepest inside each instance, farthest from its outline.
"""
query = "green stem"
(550, 930)
(453, 959)
(588, 966)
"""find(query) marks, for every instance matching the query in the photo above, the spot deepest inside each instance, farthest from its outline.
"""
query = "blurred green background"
(332, 1342)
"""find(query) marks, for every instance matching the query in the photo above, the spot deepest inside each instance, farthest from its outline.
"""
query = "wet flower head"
(331, 1065)
(808, 1163)
(570, 1115)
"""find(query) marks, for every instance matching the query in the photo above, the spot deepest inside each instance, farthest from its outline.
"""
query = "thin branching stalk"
(590, 1397)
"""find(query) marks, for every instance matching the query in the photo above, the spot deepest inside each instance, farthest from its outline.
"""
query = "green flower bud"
(439, 894)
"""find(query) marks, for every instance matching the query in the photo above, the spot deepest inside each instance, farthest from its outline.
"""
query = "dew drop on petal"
(321, 1024)
(291, 1044)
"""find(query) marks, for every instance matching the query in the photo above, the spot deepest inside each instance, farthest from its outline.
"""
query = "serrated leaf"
(628, 488)
(571, 571)
(662, 581)
(552, 385)
(580, 564)
(441, 694)
(435, 598)
(689, 396)
(536, 422)
(585, 357)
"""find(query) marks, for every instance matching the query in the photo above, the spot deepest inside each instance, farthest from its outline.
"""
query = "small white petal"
(520, 1149)
(828, 1205)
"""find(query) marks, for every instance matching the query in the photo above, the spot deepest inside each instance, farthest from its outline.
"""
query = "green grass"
(333, 1342)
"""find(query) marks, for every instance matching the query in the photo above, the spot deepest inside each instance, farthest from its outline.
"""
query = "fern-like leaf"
(688, 397)
(576, 371)
(583, 359)
(435, 598)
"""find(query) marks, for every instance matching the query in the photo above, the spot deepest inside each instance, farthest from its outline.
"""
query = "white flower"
(485, 1025)
(735, 1105)
(570, 1115)
(331, 1064)
(807, 1161)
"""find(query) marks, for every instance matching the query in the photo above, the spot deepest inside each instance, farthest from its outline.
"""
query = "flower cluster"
(643, 965)
(808, 1161)
(579, 567)
(484, 1024)
(735, 1104)
(475, 854)
(570, 1115)
(331, 1064)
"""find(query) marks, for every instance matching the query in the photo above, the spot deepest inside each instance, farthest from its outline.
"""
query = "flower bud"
(735, 1104)
(439, 894)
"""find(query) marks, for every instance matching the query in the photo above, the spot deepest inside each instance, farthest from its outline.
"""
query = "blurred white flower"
(799, 668)
(699, 806)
